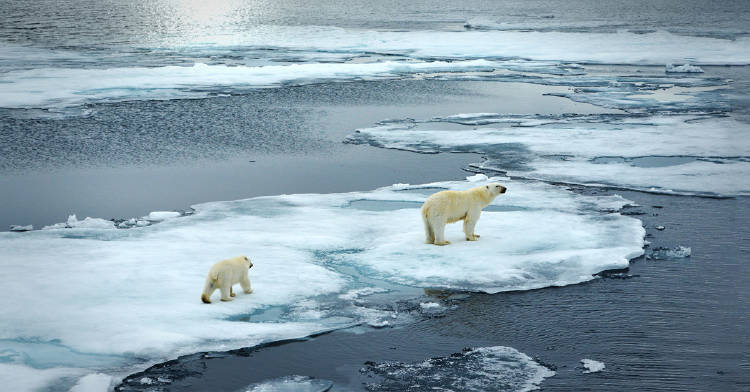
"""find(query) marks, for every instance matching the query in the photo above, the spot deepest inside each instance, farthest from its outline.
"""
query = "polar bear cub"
(452, 206)
(224, 274)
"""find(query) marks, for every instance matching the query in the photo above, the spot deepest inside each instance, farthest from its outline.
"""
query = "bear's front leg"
(231, 293)
(245, 283)
(469, 223)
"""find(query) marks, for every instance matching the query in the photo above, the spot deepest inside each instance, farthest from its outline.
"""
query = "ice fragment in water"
(679, 252)
(592, 366)
(483, 369)
(162, 215)
(291, 384)
(686, 68)
(19, 228)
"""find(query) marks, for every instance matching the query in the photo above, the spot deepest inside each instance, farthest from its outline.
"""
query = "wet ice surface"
(682, 154)
(473, 370)
(291, 384)
(131, 297)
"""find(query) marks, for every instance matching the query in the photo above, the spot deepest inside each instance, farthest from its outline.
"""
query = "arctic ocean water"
(142, 141)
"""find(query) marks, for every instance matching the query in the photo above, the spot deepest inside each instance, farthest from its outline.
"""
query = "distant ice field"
(270, 56)
(98, 302)
(693, 155)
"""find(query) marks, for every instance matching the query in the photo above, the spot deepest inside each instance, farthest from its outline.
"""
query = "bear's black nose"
(503, 190)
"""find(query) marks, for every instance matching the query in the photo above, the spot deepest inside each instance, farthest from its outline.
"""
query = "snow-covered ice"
(702, 155)
(592, 366)
(111, 301)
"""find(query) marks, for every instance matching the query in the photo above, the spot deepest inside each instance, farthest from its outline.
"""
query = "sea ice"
(473, 370)
(161, 215)
(678, 252)
(592, 366)
(291, 384)
(702, 155)
(685, 68)
(19, 228)
(131, 297)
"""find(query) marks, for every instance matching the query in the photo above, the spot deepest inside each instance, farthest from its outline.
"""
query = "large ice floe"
(683, 154)
(96, 302)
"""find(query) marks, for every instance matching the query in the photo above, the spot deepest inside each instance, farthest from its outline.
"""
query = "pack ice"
(87, 302)
(684, 154)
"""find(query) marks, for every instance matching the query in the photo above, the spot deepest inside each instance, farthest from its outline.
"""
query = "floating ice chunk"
(96, 382)
(146, 381)
(162, 215)
(686, 68)
(429, 305)
(660, 228)
(291, 384)
(592, 366)
(400, 187)
(678, 252)
(478, 370)
(88, 223)
(477, 178)
(19, 228)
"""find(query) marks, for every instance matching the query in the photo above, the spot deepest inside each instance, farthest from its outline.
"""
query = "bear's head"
(248, 262)
(495, 188)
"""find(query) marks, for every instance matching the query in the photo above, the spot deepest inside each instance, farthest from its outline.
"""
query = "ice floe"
(661, 253)
(700, 155)
(482, 369)
(592, 366)
(291, 384)
(131, 297)
(685, 68)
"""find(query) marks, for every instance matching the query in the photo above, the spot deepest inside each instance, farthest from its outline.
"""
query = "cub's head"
(248, 262)
(495, 188)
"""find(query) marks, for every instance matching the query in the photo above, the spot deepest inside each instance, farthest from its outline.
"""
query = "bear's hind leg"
(245, 283)
(225, 293)
(439, 229)
(231, 293)
(429, 235)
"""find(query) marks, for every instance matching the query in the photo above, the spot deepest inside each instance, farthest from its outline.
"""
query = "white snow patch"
(477, 178)
(429, 305)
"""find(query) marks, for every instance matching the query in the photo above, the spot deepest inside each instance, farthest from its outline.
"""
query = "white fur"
(224, 274)
(452, 206)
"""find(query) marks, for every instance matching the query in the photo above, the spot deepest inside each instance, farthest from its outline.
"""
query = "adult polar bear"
(224, 274)
(452, 206)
